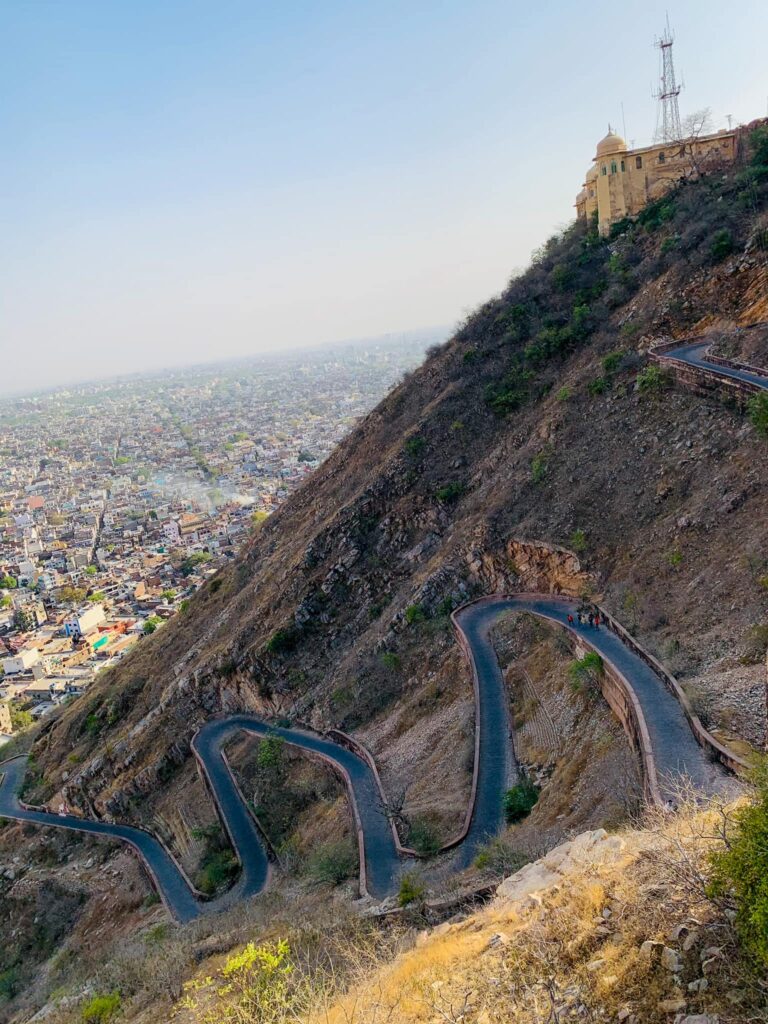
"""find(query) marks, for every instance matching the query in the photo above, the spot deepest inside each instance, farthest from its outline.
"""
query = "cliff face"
(523, 437)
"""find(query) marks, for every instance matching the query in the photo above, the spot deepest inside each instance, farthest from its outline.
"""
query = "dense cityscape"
(119, 498)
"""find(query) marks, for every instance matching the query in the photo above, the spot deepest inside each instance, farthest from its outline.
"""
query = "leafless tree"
(695, 126)
(394, 809)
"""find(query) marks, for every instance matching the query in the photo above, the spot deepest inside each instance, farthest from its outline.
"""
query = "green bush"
(414, 613)
(520, 800)
(657, 213)
(612, 361)
(415, 446)
(333, 863)
(424, 837)
(539, 466)
(597, 386)
(282, 640)
(758, 142)
(271, 749)
(740, 871)
(93, 724)
(511, 392)
(653, 380)
(100, 1009)
(9, 983)
(563, 394)
(197, 558)
(20, 718)
(450, 492)
(675, 558)
(578, 542)
(757, 408)
(586, 670)
(722, 244)
(390, 660)
(411, 889)
(218, 869)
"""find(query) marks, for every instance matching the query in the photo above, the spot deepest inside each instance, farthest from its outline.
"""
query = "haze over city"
(191, 181)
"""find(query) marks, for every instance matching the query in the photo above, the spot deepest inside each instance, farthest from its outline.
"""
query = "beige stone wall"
(627, 180)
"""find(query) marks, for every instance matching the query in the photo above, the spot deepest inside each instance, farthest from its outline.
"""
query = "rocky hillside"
(530, 423)
(603, 927)
(531, 451)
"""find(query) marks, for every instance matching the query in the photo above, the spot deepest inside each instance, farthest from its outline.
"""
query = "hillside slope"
(527, 424)
(535, 429)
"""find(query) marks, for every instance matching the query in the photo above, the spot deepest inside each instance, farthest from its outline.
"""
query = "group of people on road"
(587, 617)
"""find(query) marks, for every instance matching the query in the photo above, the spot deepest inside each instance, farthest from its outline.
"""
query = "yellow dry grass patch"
(401, 990)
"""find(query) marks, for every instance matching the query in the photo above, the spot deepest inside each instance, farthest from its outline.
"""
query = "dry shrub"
(577, 951)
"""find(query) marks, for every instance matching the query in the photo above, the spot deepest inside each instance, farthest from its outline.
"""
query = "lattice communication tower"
(668, 115)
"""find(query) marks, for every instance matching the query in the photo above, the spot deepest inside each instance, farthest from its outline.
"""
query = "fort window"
(613, 166)
(662, 158)
(603, 169)
(638, 162)
(622, 166)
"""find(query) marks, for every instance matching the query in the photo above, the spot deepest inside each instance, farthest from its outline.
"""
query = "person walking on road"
(570, 619)
(591, 619)
(597, 620)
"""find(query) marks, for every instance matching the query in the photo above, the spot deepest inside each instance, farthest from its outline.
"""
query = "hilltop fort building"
(621, 181)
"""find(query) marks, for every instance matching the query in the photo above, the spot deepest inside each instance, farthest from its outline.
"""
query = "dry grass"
(576, 951)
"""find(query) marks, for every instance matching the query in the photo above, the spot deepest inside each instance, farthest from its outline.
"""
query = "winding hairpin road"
(676, 753)
(695, 354)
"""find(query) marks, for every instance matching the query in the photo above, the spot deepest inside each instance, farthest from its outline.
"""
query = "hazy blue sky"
(182, 181)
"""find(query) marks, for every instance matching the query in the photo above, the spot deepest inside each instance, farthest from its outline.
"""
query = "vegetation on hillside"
(339, 607)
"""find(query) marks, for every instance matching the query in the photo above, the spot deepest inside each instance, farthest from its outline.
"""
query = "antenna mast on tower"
(668, 115)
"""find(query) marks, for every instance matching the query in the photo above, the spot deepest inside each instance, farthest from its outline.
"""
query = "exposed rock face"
(548, 568)
(594, 850)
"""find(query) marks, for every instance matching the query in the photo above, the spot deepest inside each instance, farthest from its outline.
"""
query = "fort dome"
(612, 143)
(591, 174)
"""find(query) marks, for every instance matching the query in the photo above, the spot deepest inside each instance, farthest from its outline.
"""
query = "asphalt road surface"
(695, 354)
(678, 756)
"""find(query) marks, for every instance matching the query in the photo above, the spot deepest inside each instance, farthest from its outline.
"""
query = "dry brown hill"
(535, 425)
(528, 424)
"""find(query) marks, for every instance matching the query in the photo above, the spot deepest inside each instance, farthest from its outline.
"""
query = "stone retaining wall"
(708, 383)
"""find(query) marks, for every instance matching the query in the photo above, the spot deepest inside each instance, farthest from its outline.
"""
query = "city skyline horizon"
(433, 335)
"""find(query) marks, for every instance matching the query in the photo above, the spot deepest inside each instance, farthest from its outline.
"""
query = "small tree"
(586, 671)
(101, 1008)
(740, 871)
(411, 890)
(23, 620)
(270, 754)
(578, 541)
(693, 127)
(520, 800)
(414, 613)
(652, 381)
(757, 407)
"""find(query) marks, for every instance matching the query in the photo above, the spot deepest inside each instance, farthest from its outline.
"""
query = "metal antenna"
(668, 115)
